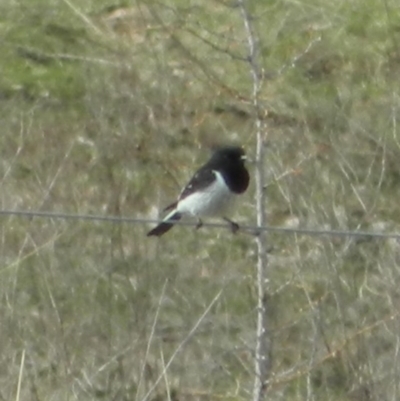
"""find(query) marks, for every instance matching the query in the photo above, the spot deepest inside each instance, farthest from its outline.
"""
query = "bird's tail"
(165, 225)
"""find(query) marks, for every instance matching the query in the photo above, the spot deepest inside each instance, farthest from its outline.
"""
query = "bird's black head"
(229, 161)
(230, 154)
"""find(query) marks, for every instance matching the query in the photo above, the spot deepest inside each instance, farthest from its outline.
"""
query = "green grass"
(108, 116)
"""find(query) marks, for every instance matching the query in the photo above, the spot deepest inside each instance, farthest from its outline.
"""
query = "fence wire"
(253, 229)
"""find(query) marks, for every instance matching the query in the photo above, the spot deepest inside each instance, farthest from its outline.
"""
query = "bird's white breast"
(210, 201)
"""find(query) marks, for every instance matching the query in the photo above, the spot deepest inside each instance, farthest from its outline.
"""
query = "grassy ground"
(105, 107)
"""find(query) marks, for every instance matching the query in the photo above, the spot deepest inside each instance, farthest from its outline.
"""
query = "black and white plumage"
(211, 189)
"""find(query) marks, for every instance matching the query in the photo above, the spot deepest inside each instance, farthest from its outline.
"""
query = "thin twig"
(181, 345)
(21, 370)
(82, 16)
(32, 52)
(153, 328)
(298, 57)
(232, 55)
(334, 353)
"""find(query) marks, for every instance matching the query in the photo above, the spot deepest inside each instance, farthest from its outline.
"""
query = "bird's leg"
(199, 224)
(232, 225)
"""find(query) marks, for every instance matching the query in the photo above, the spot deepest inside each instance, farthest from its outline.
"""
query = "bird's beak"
(247, 159)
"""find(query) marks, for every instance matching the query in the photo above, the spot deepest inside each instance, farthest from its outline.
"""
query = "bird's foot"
(234, 227)
(199, 224)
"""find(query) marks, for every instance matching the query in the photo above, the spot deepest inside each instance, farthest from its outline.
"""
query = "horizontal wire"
(251, 229)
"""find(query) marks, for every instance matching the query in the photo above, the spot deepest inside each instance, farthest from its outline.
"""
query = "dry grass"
(112, 119)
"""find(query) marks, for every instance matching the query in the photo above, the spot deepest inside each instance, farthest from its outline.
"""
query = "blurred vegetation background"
(106, 106)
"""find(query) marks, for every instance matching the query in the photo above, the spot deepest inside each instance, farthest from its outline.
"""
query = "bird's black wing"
(204, 177)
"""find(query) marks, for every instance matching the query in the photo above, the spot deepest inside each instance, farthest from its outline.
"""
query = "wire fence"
(252, 229)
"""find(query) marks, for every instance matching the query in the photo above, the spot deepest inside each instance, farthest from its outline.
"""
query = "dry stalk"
(262, 347)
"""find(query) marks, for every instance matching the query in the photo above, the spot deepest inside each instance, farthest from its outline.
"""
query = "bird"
(210, 191)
